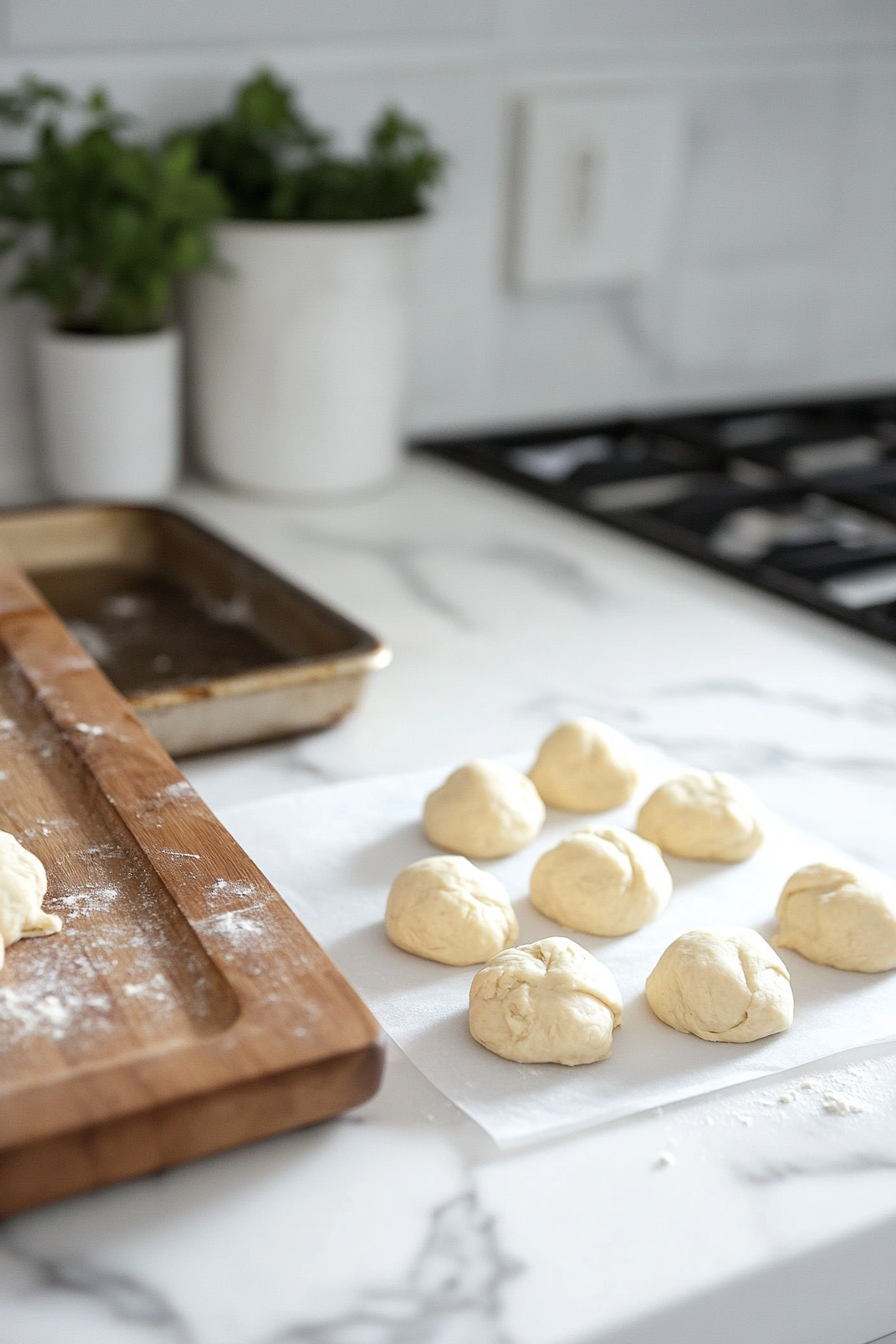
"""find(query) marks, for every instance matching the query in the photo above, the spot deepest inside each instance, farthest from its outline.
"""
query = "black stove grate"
(799, 500)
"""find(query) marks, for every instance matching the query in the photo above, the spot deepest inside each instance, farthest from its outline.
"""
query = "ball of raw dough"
(449, 911)
(839, 918)
(23, 885)
(601, 880)
(547, 1003)
(484, 810)
(584, 766)
(704, 816)
(722, 984)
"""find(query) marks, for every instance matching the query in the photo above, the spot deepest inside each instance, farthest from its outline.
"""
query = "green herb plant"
(274, 163)
(99, 226)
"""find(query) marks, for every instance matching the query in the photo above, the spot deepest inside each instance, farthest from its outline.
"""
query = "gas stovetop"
(799, 499)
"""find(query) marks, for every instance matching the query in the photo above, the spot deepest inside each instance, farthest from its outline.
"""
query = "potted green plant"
(99, 227)
(299, 342)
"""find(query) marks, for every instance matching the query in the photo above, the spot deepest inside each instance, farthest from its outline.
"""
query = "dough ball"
(601, 880)
(584, 766)
(484, 810)
(23, 886)
(449, 911)
(723, 984)
(547, 1003)
(703, 816)
(839, 918)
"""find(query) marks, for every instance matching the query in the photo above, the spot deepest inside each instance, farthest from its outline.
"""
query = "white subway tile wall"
(779, 273)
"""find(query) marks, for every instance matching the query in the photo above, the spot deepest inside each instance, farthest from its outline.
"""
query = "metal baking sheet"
(211, 648)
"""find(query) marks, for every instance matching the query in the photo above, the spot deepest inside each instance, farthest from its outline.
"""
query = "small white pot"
(109, 409)
(298, 356)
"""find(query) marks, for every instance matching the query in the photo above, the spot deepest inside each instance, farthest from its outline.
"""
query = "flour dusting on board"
(235, 925)
(59, 993)
(156, 989)
(79, 903)
(180, 791)
(223, 889)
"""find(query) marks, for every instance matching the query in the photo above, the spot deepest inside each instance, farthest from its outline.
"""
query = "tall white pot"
(298, 354)
(109, 411)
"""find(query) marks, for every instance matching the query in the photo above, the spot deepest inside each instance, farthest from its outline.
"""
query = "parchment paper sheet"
(333, 852)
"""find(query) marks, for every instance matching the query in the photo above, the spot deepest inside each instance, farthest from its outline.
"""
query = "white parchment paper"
(333, 852)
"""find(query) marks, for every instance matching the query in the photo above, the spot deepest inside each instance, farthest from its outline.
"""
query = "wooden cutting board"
(183, 1009)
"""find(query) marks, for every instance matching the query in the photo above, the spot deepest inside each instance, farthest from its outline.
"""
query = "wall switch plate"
(599, 181)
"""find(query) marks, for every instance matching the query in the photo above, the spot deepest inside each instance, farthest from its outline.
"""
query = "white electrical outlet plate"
(600, 175)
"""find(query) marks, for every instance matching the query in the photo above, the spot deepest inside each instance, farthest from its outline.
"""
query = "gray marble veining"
(450, 1295)
(407, 561)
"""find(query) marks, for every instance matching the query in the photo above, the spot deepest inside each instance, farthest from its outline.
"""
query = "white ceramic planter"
(109, 410)
(298, 356)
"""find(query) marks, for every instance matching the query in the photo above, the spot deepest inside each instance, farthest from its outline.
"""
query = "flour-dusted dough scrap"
(484, 810)
(839, 918)
(721, 984)
(704, 816)
(601, 880)
(585, 766)
(23, 886)
(447, 910)
(546, 1003)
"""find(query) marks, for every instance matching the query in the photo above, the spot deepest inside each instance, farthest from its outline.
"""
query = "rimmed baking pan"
(211, 648)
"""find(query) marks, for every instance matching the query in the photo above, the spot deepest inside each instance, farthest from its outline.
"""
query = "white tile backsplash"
(755, 316)
(780, 270)
(766, 169)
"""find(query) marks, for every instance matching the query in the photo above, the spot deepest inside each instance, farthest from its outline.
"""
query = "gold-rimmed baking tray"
(211, 648)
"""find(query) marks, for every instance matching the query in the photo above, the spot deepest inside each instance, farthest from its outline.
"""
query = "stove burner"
(799, 500)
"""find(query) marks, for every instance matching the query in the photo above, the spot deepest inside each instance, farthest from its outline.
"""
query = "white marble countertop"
(763, 1213)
